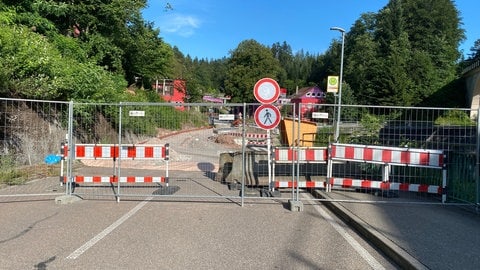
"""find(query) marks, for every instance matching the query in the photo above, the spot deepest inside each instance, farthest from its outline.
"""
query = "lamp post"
(337, 126)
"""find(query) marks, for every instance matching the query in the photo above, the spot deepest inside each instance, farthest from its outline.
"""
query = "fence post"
(167, 161)
(62, 161)
(119, 147)
(293, 149)
(329, 182)
(444, 184)
(477, 163)
(297, 152)
(71, 149)
(244, 131)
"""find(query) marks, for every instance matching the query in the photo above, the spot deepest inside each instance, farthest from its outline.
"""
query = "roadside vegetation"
(11, 174)
(93, 51)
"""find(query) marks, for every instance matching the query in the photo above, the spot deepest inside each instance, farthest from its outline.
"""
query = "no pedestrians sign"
(267, 116)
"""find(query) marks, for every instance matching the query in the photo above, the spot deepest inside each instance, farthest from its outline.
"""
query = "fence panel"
(31, 132)
(450, 131)
(196, 135)
(218, 151)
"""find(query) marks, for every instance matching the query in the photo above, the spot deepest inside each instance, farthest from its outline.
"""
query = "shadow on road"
(208, 169)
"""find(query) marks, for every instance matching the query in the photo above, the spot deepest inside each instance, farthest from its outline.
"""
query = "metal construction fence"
(211, 151)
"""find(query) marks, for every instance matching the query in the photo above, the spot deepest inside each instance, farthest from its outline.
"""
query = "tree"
(475, 50)
(326, 64)
(249, 62)
(362, 64)
(34, 68)
(404, 53)
(146, 55)
(401, 55)
(283, 53)
(433, 28)
(299, 70)
(392, 80)
(110, 34)
(395, 82)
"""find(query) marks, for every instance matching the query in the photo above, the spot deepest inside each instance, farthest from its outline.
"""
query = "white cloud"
(182, 25)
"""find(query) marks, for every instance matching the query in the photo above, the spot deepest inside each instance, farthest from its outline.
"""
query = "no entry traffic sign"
(266, 90)
(267, 116)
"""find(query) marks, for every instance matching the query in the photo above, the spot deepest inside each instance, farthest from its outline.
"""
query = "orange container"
(293, 136)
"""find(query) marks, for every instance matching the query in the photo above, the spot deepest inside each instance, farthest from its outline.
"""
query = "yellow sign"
(332, 84)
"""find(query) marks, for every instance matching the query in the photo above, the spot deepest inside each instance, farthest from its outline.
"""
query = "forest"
(406, 54)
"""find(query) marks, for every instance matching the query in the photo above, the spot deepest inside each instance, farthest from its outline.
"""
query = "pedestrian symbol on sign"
(267, 116)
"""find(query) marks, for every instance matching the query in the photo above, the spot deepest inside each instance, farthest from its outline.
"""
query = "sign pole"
(269, 153)
(267, 116)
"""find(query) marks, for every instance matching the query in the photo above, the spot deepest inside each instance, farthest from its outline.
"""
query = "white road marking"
(358, 248)
(108, 230)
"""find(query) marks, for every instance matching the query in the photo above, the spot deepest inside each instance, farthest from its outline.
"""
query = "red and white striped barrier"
(252, 138)
(348, 183)
(303, 155)
(108, 151)
(388, 155)
(301, 184)
(122, 179)
(122, 152)
(368, 184)
(249, 135)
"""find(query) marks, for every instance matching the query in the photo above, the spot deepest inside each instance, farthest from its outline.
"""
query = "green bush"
(454, 118)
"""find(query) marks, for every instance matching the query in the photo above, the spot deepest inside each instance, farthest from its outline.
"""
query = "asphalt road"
(151, 234)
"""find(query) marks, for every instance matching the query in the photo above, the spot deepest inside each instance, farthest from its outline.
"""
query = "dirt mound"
(226, 140)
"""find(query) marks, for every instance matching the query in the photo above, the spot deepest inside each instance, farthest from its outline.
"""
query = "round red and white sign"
(266, 90)
(267, 116)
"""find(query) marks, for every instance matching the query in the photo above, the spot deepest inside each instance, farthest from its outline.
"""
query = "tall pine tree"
(404, 53)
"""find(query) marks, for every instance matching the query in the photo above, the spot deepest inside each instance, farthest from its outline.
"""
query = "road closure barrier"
(343, 154)
(303, 156)
(388, 157)
(118, 153)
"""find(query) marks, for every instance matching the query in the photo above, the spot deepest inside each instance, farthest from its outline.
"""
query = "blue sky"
(210, 29)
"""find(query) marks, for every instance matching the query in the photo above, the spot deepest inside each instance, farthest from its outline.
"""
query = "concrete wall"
(256, 168)
(472, 82)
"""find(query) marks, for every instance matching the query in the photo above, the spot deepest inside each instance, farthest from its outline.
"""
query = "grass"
(13, 175)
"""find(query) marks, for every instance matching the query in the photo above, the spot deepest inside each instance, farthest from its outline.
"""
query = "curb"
(392, 250)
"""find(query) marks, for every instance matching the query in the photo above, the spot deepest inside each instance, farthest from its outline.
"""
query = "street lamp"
(337, 126)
